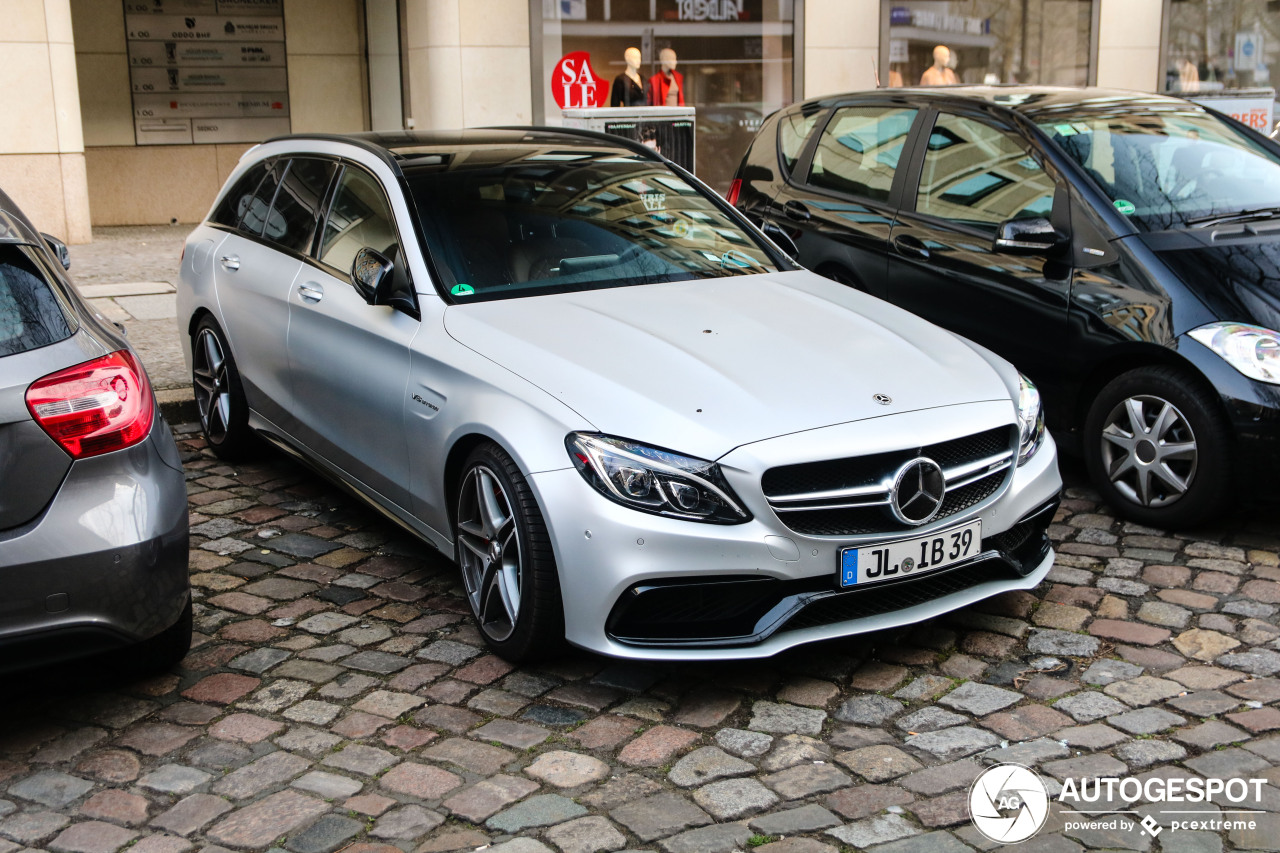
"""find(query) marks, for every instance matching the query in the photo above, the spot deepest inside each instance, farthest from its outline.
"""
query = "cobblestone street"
(338, 697)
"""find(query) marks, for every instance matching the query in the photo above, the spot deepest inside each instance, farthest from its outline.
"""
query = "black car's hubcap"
(1149, 451)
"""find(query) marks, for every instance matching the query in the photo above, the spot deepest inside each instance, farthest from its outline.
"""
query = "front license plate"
(873, 563)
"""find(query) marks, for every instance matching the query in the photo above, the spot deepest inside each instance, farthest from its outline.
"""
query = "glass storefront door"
(734, 57)
(1033, 42)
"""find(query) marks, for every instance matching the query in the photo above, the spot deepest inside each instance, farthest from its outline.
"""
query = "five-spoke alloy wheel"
(505, 555)
(224, 414)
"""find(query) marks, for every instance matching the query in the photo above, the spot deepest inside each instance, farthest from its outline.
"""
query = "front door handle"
(796, 211)
(230, 263)
(910, 247)
(311, 292)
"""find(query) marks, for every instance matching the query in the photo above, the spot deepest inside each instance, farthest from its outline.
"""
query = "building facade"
(134, 111)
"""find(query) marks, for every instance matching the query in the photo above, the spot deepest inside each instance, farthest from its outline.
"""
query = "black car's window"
(1168, 164)
(359, 216)
(257, 208)
(236, 200)
(511, 223)
(793, 130)
(292, 221)
(30, 314)
(859, 151)
(975, 174)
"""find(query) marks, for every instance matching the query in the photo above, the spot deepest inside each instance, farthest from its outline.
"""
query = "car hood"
(702, 367)
(1238, 278)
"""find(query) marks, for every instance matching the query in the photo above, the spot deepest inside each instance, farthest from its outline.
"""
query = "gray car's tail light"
(95, 407)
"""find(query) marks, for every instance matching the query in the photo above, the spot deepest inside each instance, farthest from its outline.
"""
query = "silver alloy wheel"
(489, 552)
(1149, 450)
(212, 385)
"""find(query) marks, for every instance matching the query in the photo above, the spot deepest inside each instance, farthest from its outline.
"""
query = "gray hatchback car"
(93, 513)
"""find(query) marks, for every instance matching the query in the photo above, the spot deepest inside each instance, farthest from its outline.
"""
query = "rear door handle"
(910, 247)
(797, 211)
(231, 263)
(311, 292)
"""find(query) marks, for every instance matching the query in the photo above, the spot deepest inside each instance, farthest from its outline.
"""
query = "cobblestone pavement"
(338, 697)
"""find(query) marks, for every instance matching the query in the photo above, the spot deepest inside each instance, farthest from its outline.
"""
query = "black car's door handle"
(797, 211)
(910, 247)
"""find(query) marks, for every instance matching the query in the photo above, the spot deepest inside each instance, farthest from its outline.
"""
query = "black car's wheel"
(505, 554)
(224, 414)
(1158, 448)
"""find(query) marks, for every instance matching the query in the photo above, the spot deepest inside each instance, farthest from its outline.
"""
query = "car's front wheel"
(1158, 448)
(508, 568)
(224, 414)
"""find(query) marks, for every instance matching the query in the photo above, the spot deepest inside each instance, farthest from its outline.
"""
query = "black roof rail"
(619, 141)
(359, 141)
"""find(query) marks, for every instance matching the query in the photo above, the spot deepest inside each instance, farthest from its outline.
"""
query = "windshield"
(1169, 168)
(500, 226)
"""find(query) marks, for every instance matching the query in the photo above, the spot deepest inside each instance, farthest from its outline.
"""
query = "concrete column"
(468, 62)
(841, 46)
(42, 167)
(1129, 44)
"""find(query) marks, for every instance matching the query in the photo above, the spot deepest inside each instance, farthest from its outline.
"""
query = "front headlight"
(654, 480)
(1030, 419)
(1252, 350)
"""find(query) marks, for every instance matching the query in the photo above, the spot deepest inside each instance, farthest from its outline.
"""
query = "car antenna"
(875, 70)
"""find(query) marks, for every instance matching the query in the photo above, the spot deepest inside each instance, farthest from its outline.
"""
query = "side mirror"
(60, 250)
(782, 239)
(368, 272)
(1027, 237)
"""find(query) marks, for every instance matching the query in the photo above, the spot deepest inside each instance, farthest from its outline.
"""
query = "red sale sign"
(574, 84)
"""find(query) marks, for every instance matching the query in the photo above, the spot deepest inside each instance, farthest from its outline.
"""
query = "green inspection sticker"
(462, 290)
(1124, 206)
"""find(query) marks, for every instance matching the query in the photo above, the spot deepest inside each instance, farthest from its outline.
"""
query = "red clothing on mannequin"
(659, 86)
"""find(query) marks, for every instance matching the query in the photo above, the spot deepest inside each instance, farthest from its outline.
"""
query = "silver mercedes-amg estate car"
(630, 418)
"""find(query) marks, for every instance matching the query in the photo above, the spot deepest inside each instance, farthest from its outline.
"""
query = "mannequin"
(666, 88)
(628, 88)
(940, 74)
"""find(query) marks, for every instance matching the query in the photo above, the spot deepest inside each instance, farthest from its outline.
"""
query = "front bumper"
(105, 565)
(641, 586)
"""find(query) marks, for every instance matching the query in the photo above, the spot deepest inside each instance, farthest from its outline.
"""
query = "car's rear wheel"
(1158, 448)
(503, 549)
(224, 414)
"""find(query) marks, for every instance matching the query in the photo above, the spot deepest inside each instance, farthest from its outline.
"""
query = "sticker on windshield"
(462, 290)
(1065, 129)
(735, 258)
(1124, 206)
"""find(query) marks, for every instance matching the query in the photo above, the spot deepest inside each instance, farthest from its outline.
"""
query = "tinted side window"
(292, 221)
(793, 130)
(360, 216)
(256, 208)
(236, 200)
(859, 150)
(30, 315)
(978, 175)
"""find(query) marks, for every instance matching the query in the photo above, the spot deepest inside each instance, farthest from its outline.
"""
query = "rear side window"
(859, 151)
(793, 130)
(236, 200)
(258, 206)
(30, 314)
(292, 221)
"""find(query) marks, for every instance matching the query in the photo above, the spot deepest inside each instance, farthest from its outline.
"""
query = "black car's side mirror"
(60, 250)
(369, 271)
(782, 239)
(1027, 237)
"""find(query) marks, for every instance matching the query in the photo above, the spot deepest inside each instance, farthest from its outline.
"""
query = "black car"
(1123, 250)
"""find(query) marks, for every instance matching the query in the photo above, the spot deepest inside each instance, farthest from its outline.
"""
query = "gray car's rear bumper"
(104, 565)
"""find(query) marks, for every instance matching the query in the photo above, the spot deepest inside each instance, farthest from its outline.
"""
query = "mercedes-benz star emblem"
(882, 399)
(918, 490)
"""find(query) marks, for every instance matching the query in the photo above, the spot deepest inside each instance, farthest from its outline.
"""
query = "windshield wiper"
(1238, 216)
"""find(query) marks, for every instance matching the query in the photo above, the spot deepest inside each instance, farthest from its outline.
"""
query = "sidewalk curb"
(178, 406)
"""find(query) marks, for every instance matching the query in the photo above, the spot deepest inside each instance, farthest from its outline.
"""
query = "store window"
(734, 59)
(1221, 44)
(1033, 42)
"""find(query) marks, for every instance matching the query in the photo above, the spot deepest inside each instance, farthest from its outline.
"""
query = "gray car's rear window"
(30, 314)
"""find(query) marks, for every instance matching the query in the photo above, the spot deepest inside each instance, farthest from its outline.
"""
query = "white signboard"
(207, 70)
(1254, 107)
(1248, 51)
